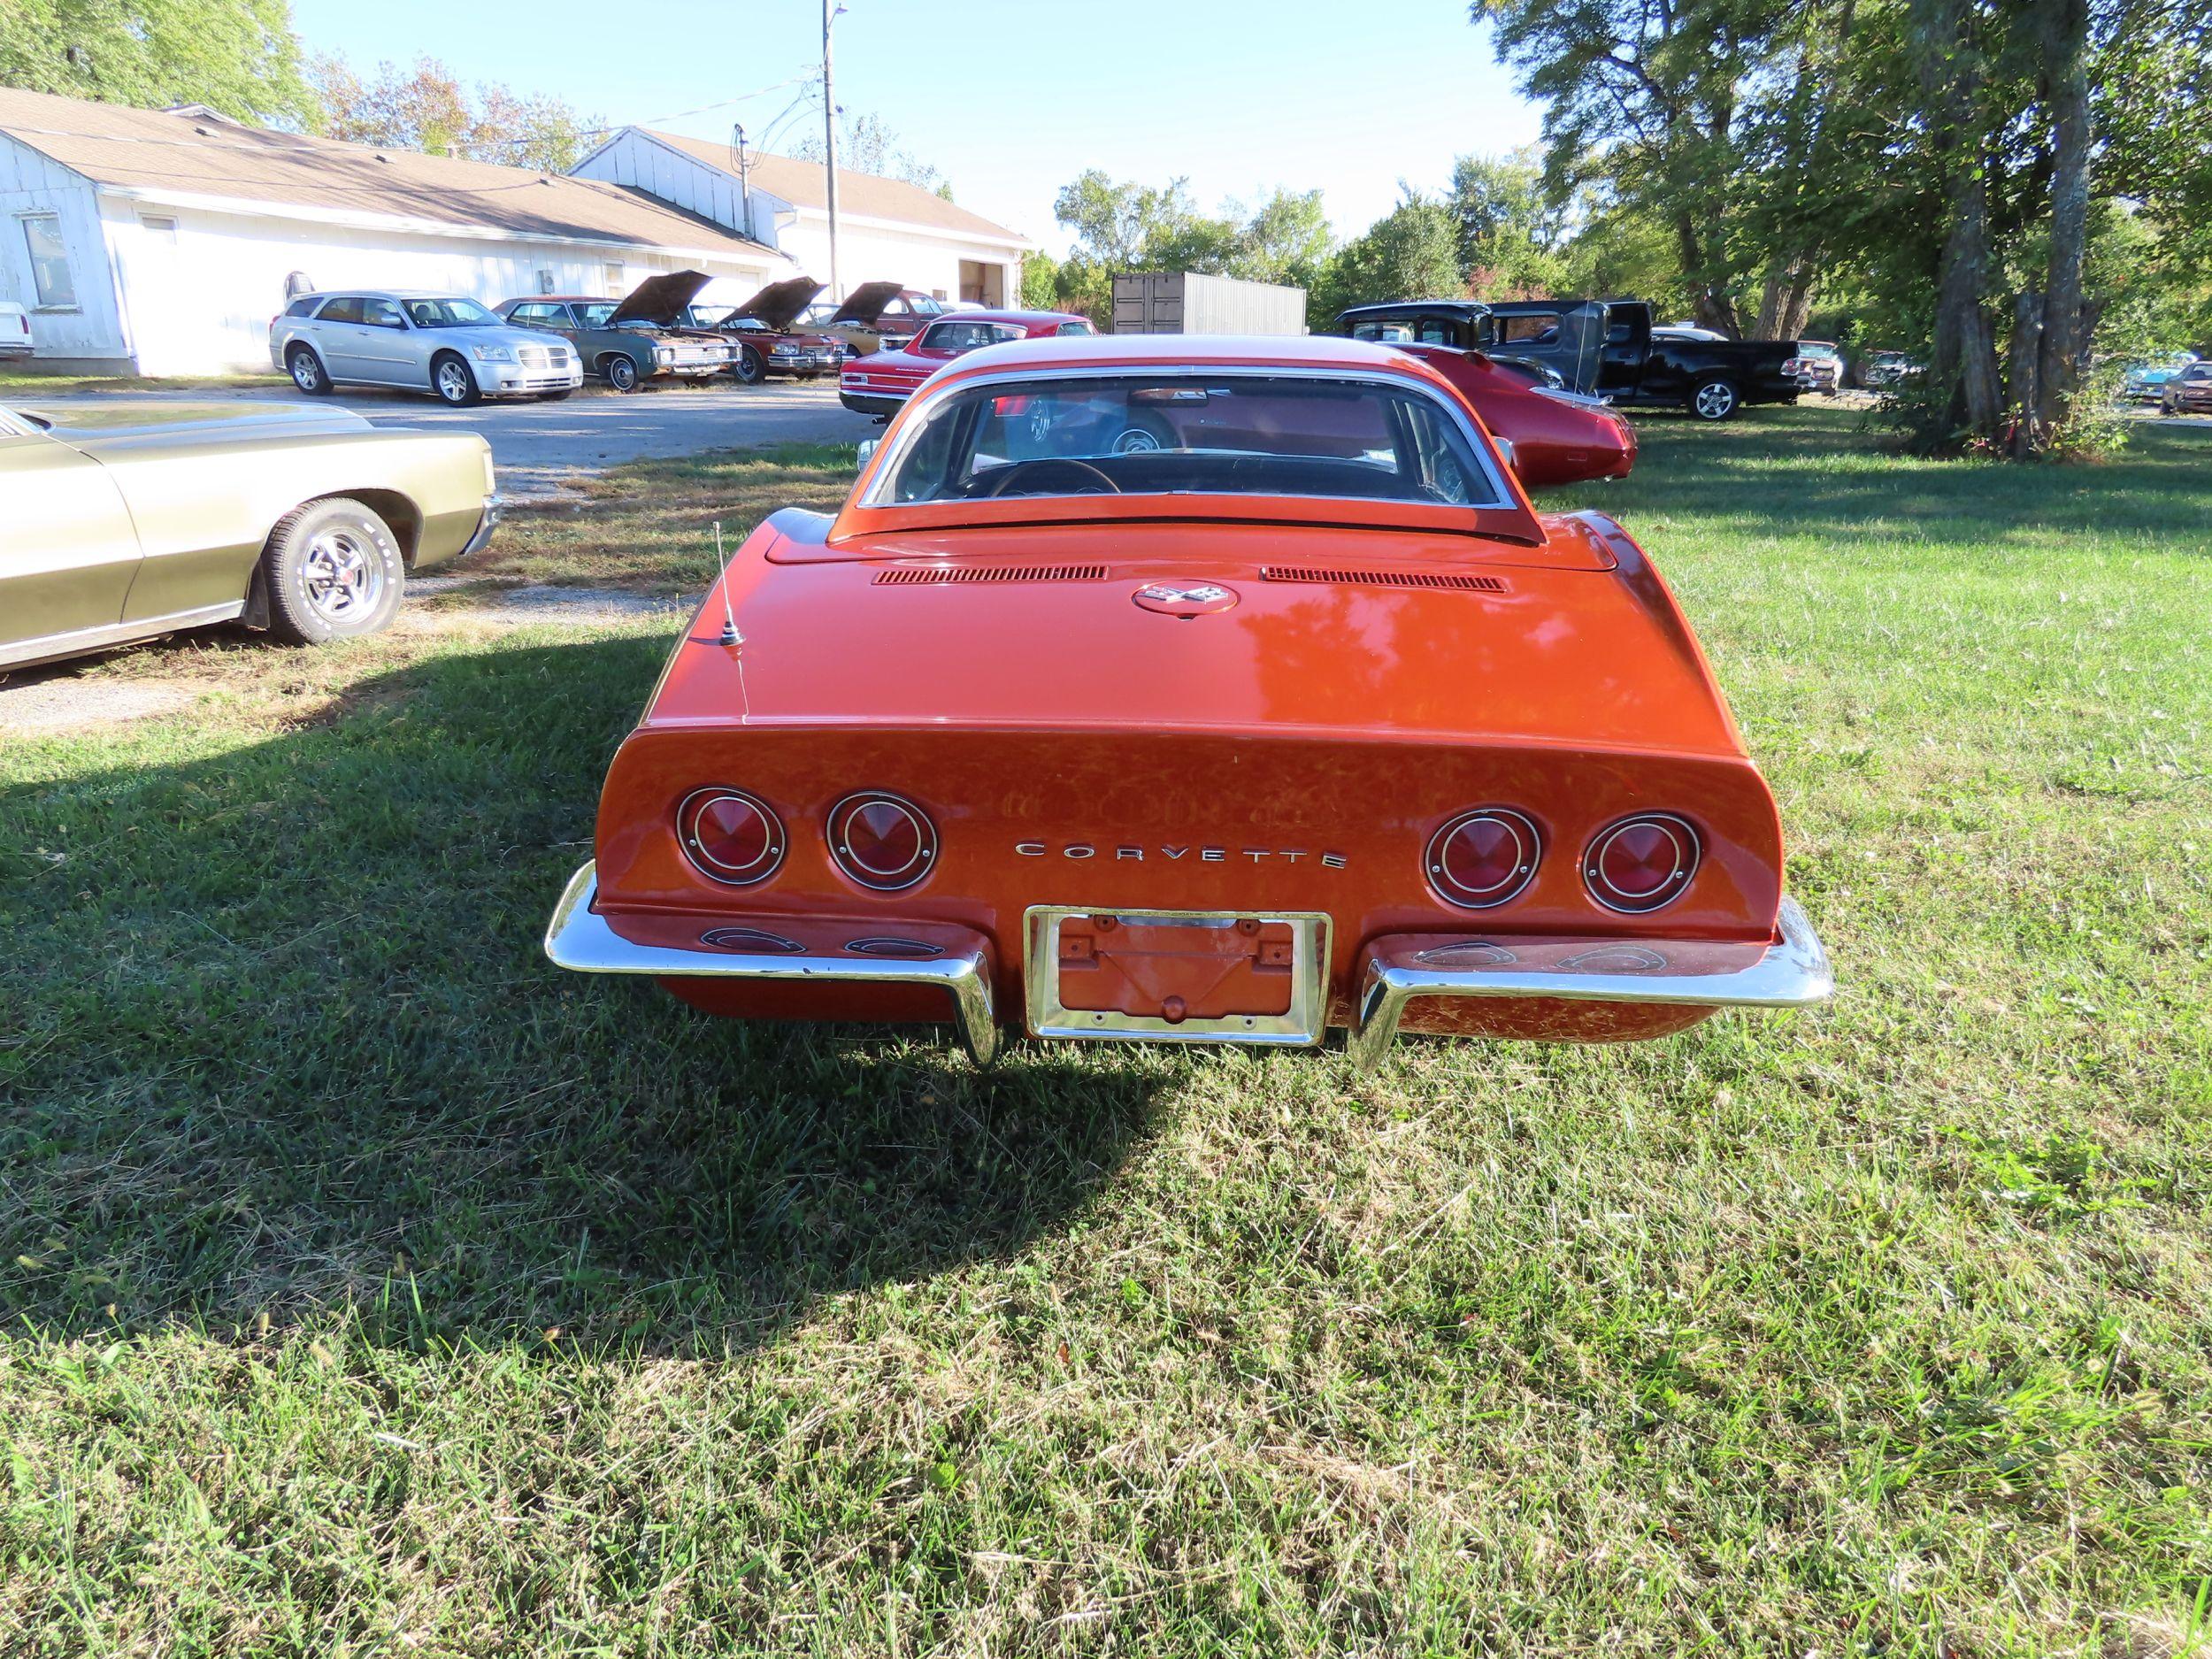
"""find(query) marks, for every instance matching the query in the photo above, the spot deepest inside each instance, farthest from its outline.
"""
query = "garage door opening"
(982, 284)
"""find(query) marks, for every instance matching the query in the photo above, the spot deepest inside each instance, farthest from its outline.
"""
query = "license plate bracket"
(1178, 976)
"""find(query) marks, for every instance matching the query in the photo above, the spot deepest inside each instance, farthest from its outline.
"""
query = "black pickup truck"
(1608, 349)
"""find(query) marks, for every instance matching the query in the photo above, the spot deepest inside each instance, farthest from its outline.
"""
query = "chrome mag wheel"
(343, 576)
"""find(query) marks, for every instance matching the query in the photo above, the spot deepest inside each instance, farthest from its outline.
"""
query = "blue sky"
(1012, 98)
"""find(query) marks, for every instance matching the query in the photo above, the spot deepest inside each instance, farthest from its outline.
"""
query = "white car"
(15, 330)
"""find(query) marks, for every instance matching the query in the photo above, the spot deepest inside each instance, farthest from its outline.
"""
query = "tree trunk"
(2026, 375)
(1965, 353)
(1962, 371)
(2063, 340)
(1709, 309)
(1799, 311)
(1785, 303)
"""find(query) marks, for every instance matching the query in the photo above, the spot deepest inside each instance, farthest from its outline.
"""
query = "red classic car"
(1300, 717)
(879, 384)
(1554, 436)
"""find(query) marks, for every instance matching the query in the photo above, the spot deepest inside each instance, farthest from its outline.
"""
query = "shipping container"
(1184, 302)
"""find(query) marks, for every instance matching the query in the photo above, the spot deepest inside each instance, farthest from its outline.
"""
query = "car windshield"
(1237, 434)
(1814, 348)
(452, 314)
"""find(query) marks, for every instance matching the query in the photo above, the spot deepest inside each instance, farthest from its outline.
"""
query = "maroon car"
(760, 332)
(880, 384)
(875, 317)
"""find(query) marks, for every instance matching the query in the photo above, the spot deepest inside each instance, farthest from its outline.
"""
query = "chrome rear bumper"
(1790, 972)
(580, 940)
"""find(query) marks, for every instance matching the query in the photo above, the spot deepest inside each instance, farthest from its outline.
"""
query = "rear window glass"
(301, 306)
(1254, 434)
(344, 309)
(966, 336)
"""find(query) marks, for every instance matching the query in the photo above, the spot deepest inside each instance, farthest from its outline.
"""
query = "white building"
(887, 230)
(162, 243)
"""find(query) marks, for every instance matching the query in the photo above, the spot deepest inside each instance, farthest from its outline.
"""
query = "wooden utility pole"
(829, 141)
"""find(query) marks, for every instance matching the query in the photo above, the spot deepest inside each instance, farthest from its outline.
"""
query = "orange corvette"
(1193, 690)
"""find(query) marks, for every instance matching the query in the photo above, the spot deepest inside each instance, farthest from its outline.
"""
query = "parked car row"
(1608, 349)
(545, 345)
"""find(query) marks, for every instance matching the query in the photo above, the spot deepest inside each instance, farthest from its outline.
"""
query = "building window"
(615, 290)
(160, 229)
(545, 281)
(49, 263)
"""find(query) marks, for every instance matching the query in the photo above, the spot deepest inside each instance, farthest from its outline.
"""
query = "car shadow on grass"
(280, 1039)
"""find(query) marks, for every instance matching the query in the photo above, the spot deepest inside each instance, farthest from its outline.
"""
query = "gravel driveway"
(537, 446)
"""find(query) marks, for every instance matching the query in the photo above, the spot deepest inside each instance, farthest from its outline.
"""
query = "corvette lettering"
(1170, 853)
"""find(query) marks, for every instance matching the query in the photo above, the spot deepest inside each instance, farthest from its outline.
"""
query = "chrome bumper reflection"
(1791, 972)
(484, 528)
(580, 940)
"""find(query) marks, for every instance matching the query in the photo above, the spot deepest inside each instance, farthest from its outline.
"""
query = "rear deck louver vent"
(1380, 579)
(911, 575)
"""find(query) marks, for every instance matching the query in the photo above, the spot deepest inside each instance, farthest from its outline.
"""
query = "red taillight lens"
(730, 836)
(882, 842)
(1641, 863)
(1483, 857)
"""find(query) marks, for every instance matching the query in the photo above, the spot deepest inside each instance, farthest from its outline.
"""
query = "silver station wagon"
(445, 344)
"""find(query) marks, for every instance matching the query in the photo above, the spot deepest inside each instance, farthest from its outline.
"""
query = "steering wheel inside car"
(1089, 480)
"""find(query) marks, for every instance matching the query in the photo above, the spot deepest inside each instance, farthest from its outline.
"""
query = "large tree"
(1121, 225)
(1412, 252)
(866, 143)
(239, 57)
(1512, 235)
(1949, 161)
(425, 108)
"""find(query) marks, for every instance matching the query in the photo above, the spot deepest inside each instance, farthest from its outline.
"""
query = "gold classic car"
(120, 524)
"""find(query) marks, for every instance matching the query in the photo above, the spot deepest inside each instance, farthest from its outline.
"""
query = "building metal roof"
(191, 153)
(863, 194)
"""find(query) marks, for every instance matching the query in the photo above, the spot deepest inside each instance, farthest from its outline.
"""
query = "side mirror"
(868, 447)
(1505, 452)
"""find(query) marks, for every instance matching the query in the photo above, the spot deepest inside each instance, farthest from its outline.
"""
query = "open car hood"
(779, 304)
(864, 304)
(660, 300)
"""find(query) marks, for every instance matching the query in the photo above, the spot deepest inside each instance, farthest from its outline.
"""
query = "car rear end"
(16, 339)
(1538, 823)
(879, 383)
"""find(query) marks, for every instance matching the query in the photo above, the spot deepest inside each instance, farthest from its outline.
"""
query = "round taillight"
(1641, 863)
(729, 835)
(882, 842)
(1483, 857)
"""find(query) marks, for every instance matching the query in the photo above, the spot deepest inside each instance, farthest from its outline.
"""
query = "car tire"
(1143, 433)
(620, 371)
(1714, 398)
(454, 381)
(749, 369)
(307, 371)
(334, 571)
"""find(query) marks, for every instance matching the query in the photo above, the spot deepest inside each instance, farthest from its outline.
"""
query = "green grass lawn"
(370, 1288)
